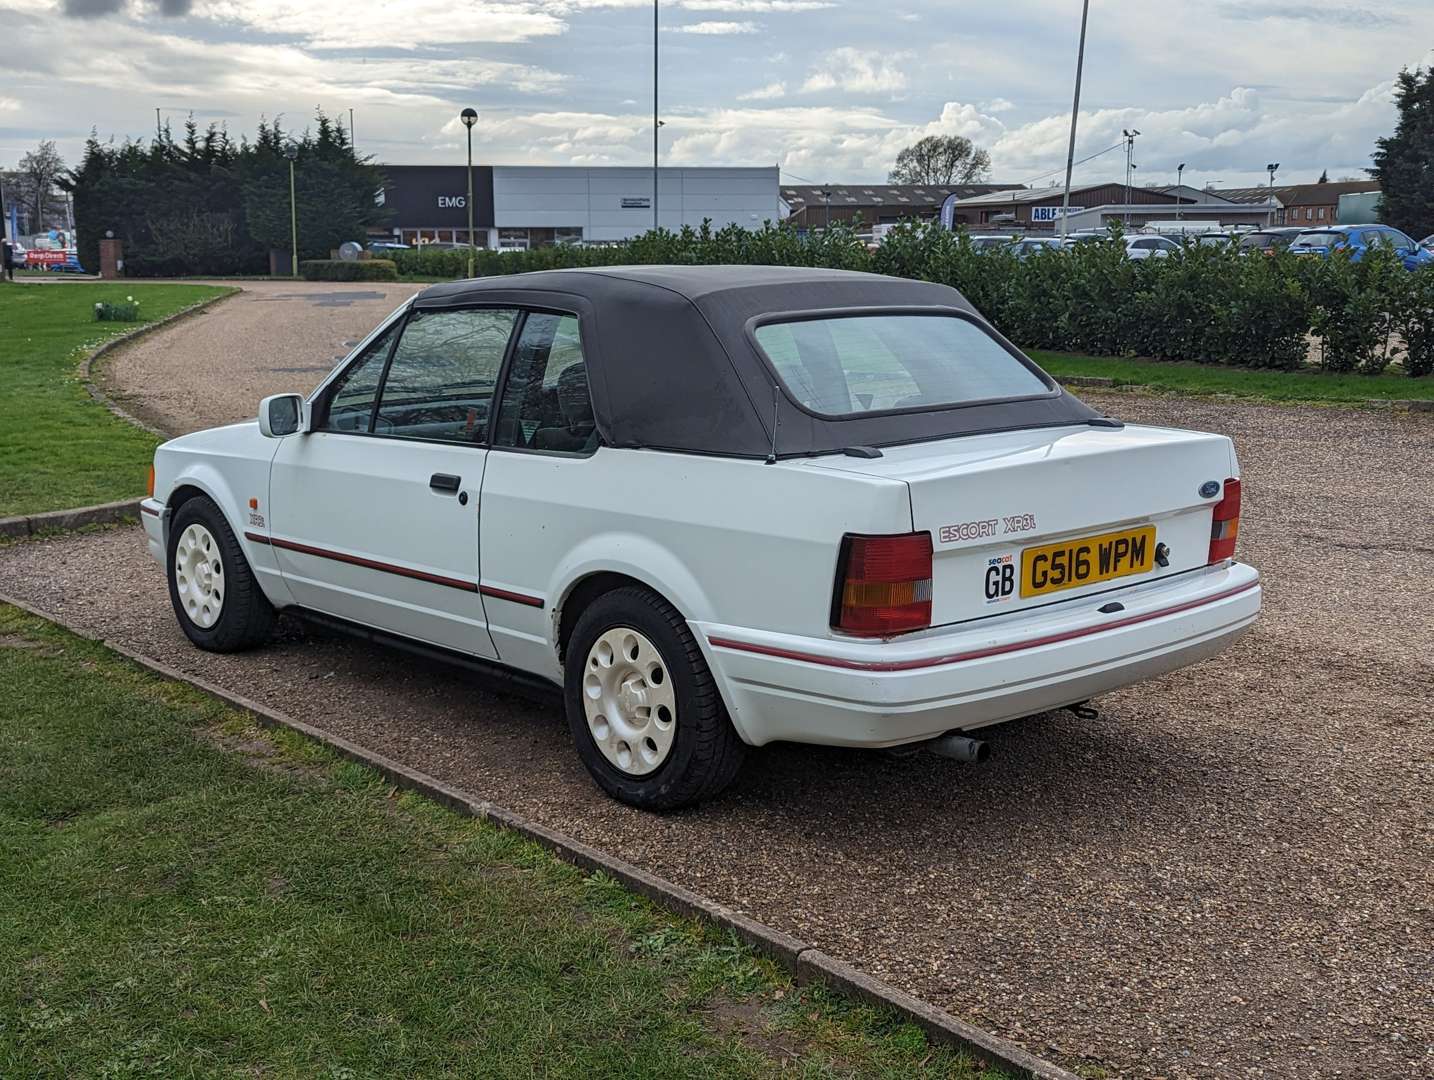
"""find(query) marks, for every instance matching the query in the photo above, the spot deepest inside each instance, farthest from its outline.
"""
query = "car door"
(374, 512)
(1405, 248)
(547, 487)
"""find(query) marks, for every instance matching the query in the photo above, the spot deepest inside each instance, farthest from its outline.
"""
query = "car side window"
(351, 396)
(441, 379)
(546, 404)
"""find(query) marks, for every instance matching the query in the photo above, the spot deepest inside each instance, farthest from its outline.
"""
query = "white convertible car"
(718, 506)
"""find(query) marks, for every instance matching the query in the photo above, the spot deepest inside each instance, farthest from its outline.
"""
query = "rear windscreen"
(848, 365)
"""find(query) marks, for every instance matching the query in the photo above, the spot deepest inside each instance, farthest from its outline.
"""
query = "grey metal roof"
(928, 195)
(1024, 195)
(1300, 194)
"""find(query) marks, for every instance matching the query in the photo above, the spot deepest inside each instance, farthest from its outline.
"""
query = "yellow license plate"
(1073, 563)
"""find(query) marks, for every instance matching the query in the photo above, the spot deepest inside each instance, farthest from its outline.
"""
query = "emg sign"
(1052, 213)
(452, 202)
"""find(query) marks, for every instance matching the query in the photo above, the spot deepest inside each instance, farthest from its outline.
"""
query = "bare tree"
(941, 159)
(38, 172)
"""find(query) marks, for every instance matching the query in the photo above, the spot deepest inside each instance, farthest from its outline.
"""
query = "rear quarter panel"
(728, 541)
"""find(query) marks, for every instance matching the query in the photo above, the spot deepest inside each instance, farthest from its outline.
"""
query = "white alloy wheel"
(629, 701)
(199, 575)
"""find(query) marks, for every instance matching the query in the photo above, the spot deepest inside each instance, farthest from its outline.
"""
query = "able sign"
(1052, 213)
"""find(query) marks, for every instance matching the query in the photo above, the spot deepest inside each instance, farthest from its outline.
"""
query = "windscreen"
(850, 365)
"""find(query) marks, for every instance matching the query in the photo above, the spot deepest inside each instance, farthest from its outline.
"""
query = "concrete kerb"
(62, 520)
(807, 964)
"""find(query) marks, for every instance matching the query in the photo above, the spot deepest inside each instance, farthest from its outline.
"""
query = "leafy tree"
(1404, 161)
(941, 159)
(202, 204)
(334, 191)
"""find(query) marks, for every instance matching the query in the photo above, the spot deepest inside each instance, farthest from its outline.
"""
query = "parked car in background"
(992, 241)
(1428, 242)
(1149, 247)
(859, 517)
(381, 247)
(1215, 239)
(1033, 244)
(1269, 241)
(1358, 240)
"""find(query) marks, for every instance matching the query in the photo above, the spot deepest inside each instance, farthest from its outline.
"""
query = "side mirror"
(280, 415)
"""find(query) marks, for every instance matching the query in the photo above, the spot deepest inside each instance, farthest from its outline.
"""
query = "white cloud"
(769, 92)
(1228, 139)
(859, 71)
(714, 28)
(756, 6)
(997, 105)
(348, 24)
(9, 104)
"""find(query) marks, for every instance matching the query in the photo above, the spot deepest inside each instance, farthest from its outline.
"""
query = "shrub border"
(806, 963)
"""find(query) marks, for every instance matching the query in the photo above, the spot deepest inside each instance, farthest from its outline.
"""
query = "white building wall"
(527, 197)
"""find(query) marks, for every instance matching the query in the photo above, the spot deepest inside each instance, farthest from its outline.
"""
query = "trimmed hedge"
(1209, 305)
(343, 270)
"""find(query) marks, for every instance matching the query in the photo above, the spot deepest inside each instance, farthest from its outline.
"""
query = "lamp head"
(291, 151)
(469, 118)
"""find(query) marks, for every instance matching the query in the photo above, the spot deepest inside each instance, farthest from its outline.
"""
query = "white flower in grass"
(129, 299)
(98, 305)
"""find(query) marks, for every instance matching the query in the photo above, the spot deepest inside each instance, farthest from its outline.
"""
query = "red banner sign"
(46, 258)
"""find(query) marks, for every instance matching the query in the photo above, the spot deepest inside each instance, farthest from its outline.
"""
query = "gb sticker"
(1000, 578)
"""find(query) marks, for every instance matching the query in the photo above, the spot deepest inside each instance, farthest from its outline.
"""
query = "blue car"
(1358, 239)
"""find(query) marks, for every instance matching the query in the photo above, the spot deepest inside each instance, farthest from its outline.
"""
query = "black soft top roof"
(673, 365)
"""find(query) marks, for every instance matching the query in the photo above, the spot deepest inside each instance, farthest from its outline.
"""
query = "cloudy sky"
(828, 89)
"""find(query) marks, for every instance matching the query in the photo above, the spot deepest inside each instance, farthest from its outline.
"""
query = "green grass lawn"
(1190, 378)
(58, 448)
(184, 894)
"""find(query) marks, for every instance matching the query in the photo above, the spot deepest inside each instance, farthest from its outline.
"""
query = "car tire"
(630, 650)
(216, 599)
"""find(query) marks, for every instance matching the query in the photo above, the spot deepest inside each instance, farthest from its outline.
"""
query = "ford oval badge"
(1209, 489)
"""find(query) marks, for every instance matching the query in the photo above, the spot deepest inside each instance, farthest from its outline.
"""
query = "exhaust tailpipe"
(959, 748)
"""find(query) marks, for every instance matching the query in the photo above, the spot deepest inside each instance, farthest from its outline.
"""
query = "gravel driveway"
(272, 338)
(1230, 873)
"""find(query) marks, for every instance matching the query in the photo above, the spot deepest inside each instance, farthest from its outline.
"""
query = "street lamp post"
(1270, 168)
(469, 118)
(1130, 135)
(1179, 183)
(656, 123)
(292, 152)
(827, 210)
(1075, 110)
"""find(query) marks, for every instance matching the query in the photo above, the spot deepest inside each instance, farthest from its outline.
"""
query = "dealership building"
(521, 206)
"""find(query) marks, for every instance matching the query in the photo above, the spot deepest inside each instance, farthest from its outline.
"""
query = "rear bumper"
(852, 693)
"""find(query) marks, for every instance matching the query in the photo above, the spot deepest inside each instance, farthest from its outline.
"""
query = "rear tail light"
(1225, 523)
(883, 584)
